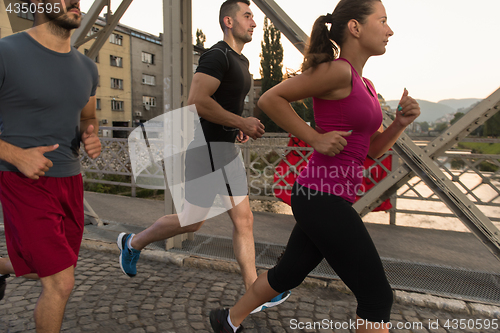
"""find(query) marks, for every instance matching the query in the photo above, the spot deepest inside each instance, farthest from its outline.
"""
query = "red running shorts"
(43, 222)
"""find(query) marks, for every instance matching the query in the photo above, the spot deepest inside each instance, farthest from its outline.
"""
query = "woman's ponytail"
(325, 42)
(321, 48)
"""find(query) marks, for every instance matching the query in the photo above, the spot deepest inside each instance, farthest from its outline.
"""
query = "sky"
(441, 49)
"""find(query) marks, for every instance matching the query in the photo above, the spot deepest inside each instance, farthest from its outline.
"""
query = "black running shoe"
(218, 320)
(3, 284)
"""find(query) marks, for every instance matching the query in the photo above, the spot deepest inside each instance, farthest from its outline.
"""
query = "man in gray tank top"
(47, 107)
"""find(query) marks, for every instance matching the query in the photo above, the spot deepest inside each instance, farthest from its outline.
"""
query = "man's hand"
(242, 137)
(331, 143)
(91, 142)
(252, 127)
(32, 163)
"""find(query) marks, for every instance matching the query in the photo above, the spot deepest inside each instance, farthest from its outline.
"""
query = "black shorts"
(214, 169)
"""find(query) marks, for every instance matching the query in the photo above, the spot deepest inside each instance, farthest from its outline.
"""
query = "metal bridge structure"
(177, 53)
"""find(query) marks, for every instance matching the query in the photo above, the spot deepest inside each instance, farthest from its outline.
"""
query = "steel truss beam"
(284, 23)
(177, 77)
(418, 162)
(468, 123)
(79, 37)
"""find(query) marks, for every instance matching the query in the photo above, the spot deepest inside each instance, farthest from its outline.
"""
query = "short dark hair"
(230, 8)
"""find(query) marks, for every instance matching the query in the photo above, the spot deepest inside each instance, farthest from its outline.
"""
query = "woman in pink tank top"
(349, 128)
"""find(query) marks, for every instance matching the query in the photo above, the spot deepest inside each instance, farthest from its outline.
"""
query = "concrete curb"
(402, 297)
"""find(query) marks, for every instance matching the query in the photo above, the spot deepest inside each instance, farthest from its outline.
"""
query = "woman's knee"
(281, 283)
(376, 307)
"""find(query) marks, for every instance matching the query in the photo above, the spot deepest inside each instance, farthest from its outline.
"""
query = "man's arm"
(31, 162)
(89, 127)
(202, 88)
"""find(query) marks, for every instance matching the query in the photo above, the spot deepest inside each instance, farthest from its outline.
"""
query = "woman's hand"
(331, 143)
(408, 110)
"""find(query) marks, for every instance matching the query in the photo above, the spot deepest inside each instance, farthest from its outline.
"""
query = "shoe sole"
(268, 305)
(273, 304)
(119, 242)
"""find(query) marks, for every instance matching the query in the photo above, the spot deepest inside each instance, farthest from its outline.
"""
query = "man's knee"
(243, 223)
(193, 227)
(60, 284)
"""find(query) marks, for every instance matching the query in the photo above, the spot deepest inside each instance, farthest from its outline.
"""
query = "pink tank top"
(360, 112)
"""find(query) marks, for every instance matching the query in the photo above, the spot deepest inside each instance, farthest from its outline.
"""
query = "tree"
(304, 109)
(424, 126)
(458, 115)
(440, 127)
(492, 126)
(271, 62)
(200, 38)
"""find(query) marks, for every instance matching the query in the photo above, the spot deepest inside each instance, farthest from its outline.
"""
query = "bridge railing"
(477, 175)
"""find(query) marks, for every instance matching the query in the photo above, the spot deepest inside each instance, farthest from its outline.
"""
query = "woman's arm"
(329, 81)
(381, 141)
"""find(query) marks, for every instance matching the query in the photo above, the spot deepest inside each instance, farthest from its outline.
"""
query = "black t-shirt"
(231, 69)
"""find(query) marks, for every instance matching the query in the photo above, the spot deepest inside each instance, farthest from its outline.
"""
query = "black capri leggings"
(328, 227)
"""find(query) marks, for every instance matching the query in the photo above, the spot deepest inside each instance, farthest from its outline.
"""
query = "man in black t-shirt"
(218, 91)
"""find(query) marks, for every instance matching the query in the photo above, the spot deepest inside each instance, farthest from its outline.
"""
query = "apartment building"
(130, 66)
(114, 92)
(147, 76)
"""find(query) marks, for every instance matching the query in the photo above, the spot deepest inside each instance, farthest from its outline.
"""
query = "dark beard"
(60, 24)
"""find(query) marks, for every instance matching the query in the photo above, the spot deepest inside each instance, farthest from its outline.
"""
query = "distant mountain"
(429, 111)
(459, 103)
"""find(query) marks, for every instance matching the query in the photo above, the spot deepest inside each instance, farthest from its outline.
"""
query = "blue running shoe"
(275, 301)
(128, 256)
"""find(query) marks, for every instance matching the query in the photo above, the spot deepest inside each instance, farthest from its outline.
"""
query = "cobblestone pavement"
(168, 298)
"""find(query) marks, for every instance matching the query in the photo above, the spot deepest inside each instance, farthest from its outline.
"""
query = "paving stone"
(171, 299)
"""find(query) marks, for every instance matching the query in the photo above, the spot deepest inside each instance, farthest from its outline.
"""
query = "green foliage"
(271, 58)
(440, 127)
(304, 109)
(458, 115)
(457, 164)
(481, 148)
(487, 166)
(116, 189)
(271, 62)
(492, 126)
(200, 38)
(425, 126)
(107, 188)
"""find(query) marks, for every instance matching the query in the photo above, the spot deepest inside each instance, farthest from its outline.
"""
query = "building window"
(116, 39)
(148, 58)
(92, 31)
(116, 105)
(96, 59)
(116, 83)
(28, 15)
(116, 61)
(149, 101)
(98, 104)
(148, 79)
